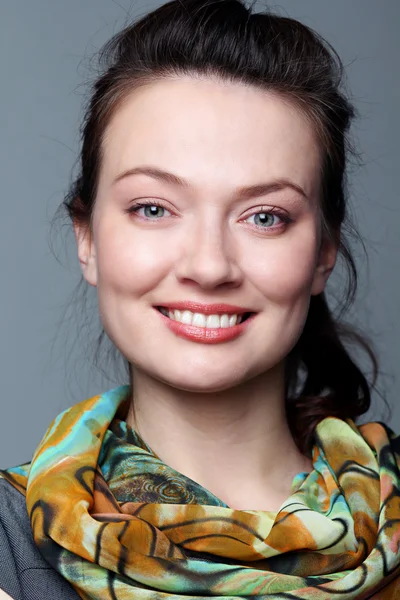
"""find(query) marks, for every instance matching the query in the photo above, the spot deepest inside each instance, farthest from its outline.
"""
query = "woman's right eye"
(152, 211)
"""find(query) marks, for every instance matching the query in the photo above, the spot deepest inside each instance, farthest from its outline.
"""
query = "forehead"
(206, 128)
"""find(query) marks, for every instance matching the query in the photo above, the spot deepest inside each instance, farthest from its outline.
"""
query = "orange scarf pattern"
(117, 522)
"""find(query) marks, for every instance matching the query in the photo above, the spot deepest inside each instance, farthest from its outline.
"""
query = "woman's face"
(210, 241)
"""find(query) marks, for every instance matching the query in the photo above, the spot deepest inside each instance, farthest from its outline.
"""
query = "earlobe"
(320, 280)
(325, 266)
(86, 252)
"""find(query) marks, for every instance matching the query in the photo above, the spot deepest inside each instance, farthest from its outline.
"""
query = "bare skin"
(213, 412)
(202, 438)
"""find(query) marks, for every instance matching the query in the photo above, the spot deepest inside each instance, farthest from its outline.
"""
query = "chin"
(202, 387)
(205, 382)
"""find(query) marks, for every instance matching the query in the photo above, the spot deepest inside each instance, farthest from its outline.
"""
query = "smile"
(198, 319)
(206, 329)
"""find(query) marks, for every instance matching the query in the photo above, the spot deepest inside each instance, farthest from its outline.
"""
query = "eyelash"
(276, 212)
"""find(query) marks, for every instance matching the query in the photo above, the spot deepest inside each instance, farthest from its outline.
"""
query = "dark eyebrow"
(243, 193)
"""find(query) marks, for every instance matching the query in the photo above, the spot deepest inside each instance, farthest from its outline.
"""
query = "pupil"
(263, 217)
(152, 210)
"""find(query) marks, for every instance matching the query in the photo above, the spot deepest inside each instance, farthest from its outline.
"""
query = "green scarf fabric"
(118, 523)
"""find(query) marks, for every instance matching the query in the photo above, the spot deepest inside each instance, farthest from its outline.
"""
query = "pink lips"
(201, 334)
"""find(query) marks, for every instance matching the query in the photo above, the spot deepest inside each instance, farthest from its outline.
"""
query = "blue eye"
(150, 210)
(153, 211)
(265, 219)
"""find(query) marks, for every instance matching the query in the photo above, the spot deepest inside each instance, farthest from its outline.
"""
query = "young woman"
(209, 213)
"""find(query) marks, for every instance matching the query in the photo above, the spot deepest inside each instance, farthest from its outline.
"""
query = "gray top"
(24, 573)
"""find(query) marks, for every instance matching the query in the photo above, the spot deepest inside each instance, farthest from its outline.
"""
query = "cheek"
(284, 272)
(129, 263)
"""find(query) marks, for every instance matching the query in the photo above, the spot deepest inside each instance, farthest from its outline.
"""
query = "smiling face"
(238, 224)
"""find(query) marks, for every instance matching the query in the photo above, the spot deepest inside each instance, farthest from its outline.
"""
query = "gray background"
(45, 50)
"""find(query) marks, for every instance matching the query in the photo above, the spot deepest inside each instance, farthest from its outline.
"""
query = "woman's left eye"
(266, 219)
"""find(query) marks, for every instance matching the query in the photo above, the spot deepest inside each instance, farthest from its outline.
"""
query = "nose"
(208, 255)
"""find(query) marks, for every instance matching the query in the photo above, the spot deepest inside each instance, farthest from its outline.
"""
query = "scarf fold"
(117, 522)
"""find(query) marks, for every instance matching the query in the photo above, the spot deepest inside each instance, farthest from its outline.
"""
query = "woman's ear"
(325, 265)
(86, 251)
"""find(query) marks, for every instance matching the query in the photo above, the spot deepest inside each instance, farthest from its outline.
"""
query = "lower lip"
(203, 335)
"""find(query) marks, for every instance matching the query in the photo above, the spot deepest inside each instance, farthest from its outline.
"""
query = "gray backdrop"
(45, 50)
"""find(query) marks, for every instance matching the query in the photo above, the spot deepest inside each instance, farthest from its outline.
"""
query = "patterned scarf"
(119, 523)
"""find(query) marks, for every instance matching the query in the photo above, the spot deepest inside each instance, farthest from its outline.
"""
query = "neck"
(235, 442)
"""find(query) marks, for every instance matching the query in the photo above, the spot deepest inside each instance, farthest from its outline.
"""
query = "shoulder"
(23, 567)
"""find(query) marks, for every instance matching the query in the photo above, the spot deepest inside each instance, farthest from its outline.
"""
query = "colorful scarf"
(118, 523)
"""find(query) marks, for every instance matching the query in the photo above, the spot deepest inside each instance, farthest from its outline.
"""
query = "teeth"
(213, 321)
(224, 321)
(233, 320)
(186, 317)
(200, 320)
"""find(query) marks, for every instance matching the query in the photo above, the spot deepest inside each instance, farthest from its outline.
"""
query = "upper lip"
(206, 309)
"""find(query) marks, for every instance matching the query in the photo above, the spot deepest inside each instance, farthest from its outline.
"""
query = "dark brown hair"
(223, 39)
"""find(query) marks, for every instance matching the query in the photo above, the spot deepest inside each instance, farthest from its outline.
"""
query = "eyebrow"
(244, 193)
